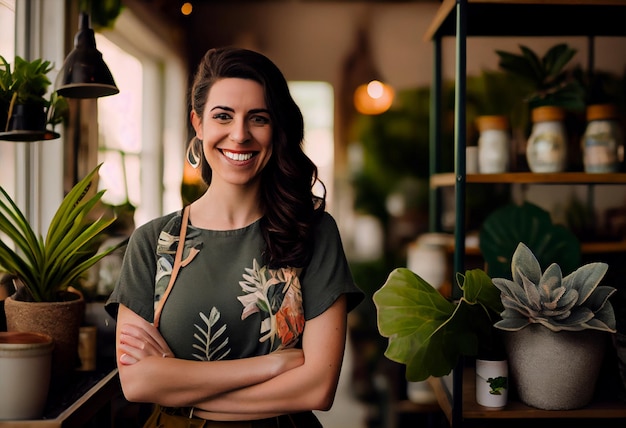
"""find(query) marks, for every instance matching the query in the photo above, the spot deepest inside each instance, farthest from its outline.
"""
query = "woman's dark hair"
(291, 210)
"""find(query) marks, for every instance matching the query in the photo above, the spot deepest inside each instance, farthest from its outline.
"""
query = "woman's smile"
(238, 156)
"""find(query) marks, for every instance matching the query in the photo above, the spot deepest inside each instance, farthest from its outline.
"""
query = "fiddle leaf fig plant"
(573, 303)
(46, 269)
(427, 332)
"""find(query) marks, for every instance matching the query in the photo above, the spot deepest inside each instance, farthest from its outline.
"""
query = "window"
(7, 50)
(143, 129)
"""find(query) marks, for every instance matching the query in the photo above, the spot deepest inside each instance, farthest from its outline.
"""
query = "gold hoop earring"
(192, 156)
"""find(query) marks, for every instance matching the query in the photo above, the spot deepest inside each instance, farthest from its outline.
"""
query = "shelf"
(78, 413)
(517, 410)
(449, 179)
(602, 247)
(533, 18)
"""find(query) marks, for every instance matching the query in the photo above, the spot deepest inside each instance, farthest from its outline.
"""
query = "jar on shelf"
(494, 143)
(603, 141)
(546, 150)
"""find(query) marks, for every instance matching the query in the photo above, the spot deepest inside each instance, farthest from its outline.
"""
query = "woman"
(252, 331)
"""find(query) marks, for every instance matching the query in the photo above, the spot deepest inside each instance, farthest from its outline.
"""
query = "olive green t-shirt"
(225, 304)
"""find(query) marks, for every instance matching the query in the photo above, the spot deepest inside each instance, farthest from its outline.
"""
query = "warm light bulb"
(186, 8)
(373, 98)
(375, 89)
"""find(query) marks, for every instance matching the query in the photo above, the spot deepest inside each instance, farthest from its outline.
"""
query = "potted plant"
(47, 271)
(505, 227)
(24, 107)
(556, 330)
(427, 332)
(544, 78)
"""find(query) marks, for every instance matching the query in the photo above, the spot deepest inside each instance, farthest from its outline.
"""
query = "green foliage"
(27, 83)
(427, 332)
(511, 224)
(497, 385)
(46, 268)
(573, 303)
(103, 13)
(547, 80)
(30, 81)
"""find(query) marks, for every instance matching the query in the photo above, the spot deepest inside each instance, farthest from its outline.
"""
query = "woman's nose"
(239, 132)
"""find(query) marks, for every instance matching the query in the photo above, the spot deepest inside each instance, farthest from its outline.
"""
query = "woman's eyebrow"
(259, 110)
(222, 108)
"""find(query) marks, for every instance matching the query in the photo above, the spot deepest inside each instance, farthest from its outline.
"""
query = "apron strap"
(177, 262)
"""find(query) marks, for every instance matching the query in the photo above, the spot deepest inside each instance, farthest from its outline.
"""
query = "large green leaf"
(427, 332)
(505, 228)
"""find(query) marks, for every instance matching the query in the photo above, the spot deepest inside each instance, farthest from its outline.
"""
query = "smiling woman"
(216, 297)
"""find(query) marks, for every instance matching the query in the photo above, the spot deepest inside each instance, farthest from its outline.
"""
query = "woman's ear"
(196, 122)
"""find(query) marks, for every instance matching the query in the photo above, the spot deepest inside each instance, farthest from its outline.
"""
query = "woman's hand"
(139, 342)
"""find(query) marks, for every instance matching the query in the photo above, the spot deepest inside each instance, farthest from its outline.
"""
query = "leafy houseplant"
(556, 330)
(25, 87)
(46, 271)
(547, 82)
(427, 332)
(504, 228)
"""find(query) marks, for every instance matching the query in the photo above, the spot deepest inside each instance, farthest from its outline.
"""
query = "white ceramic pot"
(492, 383)
(25, 360)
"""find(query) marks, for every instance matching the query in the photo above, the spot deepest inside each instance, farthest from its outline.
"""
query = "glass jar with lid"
(603, 141)
(546, 150)
(494, 142)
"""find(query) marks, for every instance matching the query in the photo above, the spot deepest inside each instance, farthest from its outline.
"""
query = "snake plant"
(45, 269)
(574, 302)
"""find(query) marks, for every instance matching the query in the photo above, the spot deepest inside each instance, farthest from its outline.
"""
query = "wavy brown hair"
(291, 210)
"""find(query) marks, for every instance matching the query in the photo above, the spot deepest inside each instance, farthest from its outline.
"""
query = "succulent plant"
(575, 302)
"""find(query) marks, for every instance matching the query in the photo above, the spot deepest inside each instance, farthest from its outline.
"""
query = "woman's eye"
(260, 120)
(221, 116)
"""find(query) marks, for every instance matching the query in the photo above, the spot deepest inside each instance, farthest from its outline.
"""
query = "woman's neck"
(226, 208)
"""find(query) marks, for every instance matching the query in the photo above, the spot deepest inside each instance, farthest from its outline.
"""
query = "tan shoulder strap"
(177, 262)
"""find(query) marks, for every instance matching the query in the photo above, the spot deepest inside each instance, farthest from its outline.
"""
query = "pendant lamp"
(84, 73)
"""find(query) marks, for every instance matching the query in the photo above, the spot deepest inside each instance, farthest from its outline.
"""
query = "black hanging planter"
(28, 123)
(28, 117)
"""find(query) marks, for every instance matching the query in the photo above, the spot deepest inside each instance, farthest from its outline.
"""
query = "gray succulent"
(573, 303)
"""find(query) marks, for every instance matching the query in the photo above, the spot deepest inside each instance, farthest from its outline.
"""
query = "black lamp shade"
(84, 73)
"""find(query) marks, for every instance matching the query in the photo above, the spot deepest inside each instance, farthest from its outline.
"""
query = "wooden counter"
(94, 403)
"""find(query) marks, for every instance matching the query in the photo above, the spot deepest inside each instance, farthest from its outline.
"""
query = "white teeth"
(237, 156)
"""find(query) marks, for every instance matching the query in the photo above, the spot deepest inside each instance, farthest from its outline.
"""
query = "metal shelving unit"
(523, 18)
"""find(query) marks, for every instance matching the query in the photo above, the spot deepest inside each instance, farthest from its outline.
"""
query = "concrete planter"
(59, 320)
(555, 370)
(25, 360)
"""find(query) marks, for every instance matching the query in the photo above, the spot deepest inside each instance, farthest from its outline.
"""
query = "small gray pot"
(555, 370)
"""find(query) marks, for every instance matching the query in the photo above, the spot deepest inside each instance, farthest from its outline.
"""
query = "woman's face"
(235, 130)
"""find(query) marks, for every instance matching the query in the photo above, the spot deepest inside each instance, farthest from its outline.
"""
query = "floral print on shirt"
(276, 294)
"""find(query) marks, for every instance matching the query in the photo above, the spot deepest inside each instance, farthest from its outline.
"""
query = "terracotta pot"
(555, 370)
(25, 360)
(59, 320)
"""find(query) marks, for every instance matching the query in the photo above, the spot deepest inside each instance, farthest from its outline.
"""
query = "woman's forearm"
(311, 386)
(146, 376)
